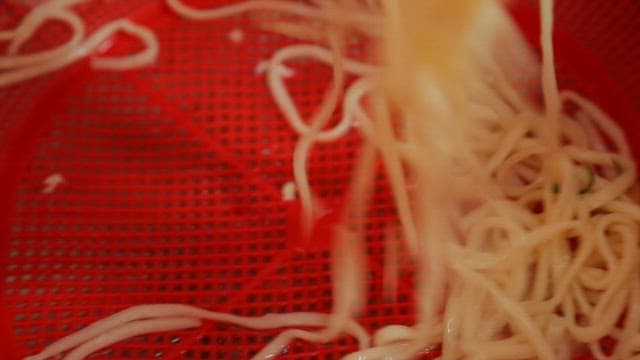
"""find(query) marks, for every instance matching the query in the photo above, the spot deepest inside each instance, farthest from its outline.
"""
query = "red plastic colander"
(173, 176)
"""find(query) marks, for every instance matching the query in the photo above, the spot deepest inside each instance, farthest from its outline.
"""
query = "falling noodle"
(519, 221)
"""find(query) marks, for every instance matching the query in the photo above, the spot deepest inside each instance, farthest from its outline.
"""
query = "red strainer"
(173, 178)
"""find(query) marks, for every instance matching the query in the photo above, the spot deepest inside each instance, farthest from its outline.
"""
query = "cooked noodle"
(113, 325)
(23, 67)
(519, 221)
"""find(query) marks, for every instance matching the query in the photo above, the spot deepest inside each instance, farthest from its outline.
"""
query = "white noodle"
(52, 182)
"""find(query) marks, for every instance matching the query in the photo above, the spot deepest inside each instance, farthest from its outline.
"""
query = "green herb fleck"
(591, 179)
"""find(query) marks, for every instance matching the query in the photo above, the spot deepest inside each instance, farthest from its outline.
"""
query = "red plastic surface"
(174, 174)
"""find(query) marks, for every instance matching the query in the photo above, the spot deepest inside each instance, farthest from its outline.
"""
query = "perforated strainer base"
(174, 174)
